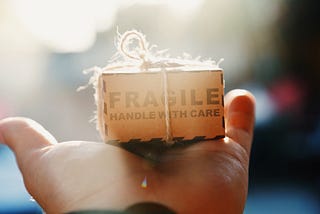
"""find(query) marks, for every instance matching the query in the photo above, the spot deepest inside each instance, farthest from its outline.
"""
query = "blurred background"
(270, 47)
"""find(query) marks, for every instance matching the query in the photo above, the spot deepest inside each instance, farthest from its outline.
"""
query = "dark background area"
(286, 150)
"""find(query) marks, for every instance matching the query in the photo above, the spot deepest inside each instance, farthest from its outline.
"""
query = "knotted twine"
(145, 60)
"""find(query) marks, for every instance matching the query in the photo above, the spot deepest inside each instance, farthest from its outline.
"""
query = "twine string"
(126, 39)
(166, 106)
(124, 42)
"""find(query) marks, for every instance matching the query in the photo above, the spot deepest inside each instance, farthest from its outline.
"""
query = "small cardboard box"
(133, 106)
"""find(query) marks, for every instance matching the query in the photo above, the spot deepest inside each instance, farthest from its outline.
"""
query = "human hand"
(206, 177)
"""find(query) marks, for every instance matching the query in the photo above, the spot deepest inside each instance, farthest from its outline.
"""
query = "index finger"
(23, 136)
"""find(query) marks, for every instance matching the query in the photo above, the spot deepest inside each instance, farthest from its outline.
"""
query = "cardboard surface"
(133, 105)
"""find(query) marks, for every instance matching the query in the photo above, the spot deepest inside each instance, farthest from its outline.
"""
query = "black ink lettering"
(193, 113)
(121, 116)
(150, 99)
(171, 99)
(183, 97)
(193, 98)
(152, 115)
(137, 115)
(113, 116)
(129, 116)
(161, 114)
(211, 95)
(183, 113)
(209, 113)
(201, 113)
(131, 98)
(173, 114)
(114, 96)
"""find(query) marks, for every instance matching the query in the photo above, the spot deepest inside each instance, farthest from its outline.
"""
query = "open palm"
(206, 177)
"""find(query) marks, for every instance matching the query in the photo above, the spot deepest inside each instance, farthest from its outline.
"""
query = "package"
(159, 100)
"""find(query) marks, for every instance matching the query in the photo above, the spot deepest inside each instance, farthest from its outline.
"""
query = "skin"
(207, 177)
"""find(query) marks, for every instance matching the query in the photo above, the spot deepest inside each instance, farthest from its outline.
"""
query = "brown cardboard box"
(133, 105)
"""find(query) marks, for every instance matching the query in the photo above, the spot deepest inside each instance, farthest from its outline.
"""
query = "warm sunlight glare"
(65, 26)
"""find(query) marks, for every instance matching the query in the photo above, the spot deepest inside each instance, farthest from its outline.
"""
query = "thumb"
(24, 136)
(240, 116)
